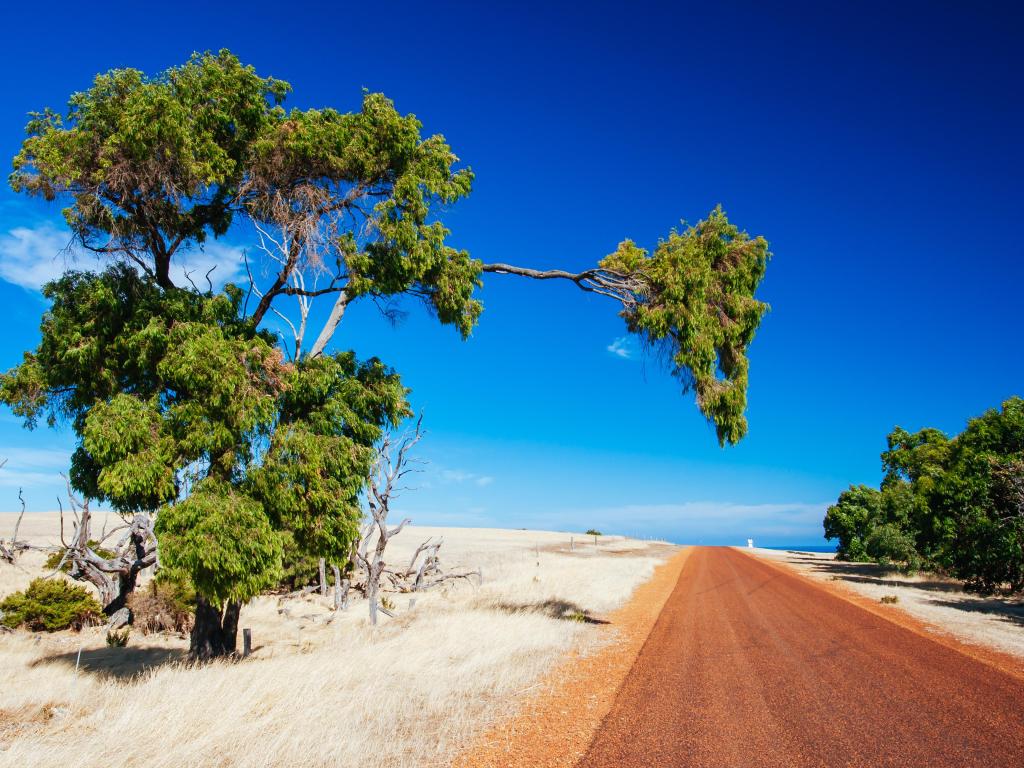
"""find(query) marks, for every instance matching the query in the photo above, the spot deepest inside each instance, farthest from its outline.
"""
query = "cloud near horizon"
(696, 521)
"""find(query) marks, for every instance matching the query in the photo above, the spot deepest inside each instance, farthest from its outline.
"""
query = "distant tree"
(186, 406)
(851, 520)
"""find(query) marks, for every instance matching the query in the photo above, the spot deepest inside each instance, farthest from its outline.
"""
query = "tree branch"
(627, 288)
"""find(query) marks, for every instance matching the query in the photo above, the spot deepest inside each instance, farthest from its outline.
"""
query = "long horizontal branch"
(628, 289)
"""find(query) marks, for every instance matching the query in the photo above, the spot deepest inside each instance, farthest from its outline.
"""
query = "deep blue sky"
(878, 148)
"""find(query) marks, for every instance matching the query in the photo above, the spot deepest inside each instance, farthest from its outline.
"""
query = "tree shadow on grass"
(872, 573)
(1010, 611)
(117, 663)
(555, 609)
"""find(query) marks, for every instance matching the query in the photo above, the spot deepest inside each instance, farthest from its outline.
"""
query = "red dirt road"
(750, 665)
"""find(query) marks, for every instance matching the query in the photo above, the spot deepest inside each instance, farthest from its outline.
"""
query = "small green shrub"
(51, 605)
(577, 616)
(593, 532)
(889, 599)
(118, 638)
(387, 603)
(55, 557)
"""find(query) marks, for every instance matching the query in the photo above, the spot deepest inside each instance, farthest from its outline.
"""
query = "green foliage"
(50, 605)
(889, 543)
(151, 162)
(700, 309)
(118, 638)
(955, 505)
(298, 568)
(311, 159)
(332, 410)
(593, 532)
(851, 519)
(221, 541)
(982, 492)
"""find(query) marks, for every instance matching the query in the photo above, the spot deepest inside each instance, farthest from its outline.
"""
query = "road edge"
(555, 726)
(894, 614)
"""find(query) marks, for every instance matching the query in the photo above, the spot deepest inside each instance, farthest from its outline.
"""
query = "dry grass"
(406, 693)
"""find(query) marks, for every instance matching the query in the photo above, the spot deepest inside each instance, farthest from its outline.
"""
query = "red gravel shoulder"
(554, 728)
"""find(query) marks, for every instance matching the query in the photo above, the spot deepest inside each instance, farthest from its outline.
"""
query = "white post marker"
(750, 543)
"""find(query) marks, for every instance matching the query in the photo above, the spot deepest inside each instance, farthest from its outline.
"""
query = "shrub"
(118, 638)
(888, 543)
(50, 605)
(163, 605)
(593, 532)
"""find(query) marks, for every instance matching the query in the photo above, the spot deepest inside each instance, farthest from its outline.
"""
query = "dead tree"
(114, 577)
(9, 550)
(424, 570)
(391, 465)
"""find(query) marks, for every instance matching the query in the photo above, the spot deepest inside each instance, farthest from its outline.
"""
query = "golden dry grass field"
(409, 692)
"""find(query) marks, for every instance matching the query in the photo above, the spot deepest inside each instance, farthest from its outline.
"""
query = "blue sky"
(877, 148)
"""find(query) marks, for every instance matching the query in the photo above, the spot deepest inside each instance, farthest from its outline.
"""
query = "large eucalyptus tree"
(187, 406)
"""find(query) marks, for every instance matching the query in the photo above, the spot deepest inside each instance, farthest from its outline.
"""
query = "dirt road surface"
(750, 665)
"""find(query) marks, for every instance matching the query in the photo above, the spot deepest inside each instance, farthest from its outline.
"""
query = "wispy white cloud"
(32, 256)
(456, 475)
(465, 476)
(32, 467)
(623, 347)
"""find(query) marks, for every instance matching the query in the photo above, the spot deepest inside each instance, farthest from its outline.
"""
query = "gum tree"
(187, 406)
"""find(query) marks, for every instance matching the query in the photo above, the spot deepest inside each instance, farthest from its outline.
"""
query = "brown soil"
(555, 727)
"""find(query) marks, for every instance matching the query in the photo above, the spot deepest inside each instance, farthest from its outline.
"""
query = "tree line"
(221, 424)
(949, 504)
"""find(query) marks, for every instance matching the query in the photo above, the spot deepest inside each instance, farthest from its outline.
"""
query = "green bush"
(888, 543)
(118, 638)
(50, 605)
(593, 532)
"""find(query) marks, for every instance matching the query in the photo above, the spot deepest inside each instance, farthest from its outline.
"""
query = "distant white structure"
(750, 543)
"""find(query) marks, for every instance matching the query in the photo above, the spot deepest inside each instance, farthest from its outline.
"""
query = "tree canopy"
(951, 504)
(183, 401)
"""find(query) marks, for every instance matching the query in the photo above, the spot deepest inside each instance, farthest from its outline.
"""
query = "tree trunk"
(373, 587)
(215, 632)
